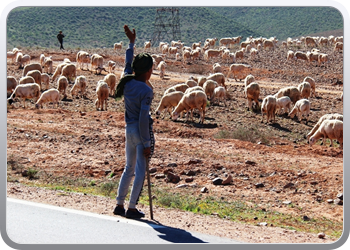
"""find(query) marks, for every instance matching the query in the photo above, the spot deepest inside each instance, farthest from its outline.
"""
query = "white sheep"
(283, 103)
(219, 78)
(290, 55)
(45, 80)
(102, 91)
(252, 92)
(22, 60)
(13, 54)
(304, 89)
(239, 71)
(26, 79)
(312, 84)
(111, 66)
(292, 92)
(69, 71)
(191, 83)
(82, 58)
(217, 68)
(31, 66)
(48, 65)
(25, 91)
(62, 85)
(96, 63)
(301, 108)
(178, 87)
(51, 95)
(79, 85)
(195, 88)
(334, 116)
(248, 80)
(168, 102)
(212, 53)
(220, 94)
(41, 59)
(189, 102)
(268, 107)
(11, 83)
(111, 80)
(338, 46)
(209, 87)
(147, 45)
(58, 70)
(36, 74)
(161, 68)
(118, 46)
(331, 129)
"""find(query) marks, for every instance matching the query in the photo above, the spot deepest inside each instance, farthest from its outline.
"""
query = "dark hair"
(142, 63)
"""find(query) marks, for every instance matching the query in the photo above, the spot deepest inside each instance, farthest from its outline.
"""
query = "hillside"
(98, 27)
(284, 22)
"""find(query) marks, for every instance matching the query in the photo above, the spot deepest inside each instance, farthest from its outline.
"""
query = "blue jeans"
(135, 166)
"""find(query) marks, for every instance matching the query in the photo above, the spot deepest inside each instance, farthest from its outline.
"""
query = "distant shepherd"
(60, 39)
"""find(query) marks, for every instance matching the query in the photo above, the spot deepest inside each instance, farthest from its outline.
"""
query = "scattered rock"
(250, 162)
(159, 176)
(172, 165)
(259, 185)
(289, 185)
(227, 180)
(340, 196)
(338, 201)
(152, 170)
(204, 190)
(330, 201)
(217, 181)
(287, 202)
(189, 179)
(264, 224)
(173, 178)
(191, 173)
(182, 186)
(305, 218)
(193, 161)
(321, 235)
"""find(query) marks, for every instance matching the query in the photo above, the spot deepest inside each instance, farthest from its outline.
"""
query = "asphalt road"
(35, 223)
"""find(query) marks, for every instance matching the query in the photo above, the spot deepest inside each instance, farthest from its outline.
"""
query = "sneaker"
(119, 211)
(132, 214)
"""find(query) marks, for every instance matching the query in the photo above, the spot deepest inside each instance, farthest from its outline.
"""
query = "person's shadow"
(171, 234)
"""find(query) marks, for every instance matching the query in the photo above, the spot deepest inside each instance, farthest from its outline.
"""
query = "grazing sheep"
(211, 41)
(51, 95)
(239, 54)
(189, 102)
(268, 107)
(331, 129)
(252, 92)
(310, 41)
(334, 116)
(301, 108)
(13, 54)
(102, 91)
(195, 54)
(168, 101)
(161, 68)
(226, 41)
(62, 85)
(96, 63)
(248, 80)
(312, 84)
(36, 74)
(45, 80)
(22, 60)
(11, 83)
(338, 46)
(41, 59)
(83, 58)
(147, 45)
(269, 44)
(209, 87)
(79, 85)
(111, 66)
(25, 91)
(31, 66)
(48, 65)
(292, 92)
(298, 55)
(111, 80)
(290, 55)
(219, 78)
(26, 79)
(70, 72)
(191, 83)
(304, 89)
(283, 103)
(217, 68)
(58, 70)
(239, 71)
(118, 46)
(201, 81)
(212, 53)
(195, 88)
(178, 87)
(219, 94)
(323, 58)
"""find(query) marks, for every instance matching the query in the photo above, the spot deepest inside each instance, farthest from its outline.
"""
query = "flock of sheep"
(186, 97)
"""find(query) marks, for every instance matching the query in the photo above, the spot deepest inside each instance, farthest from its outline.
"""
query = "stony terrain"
(273, 169)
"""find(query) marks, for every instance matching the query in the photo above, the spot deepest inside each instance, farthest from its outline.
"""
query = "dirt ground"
(279, 168)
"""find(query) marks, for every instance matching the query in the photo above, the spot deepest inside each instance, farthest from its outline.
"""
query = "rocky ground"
(274, 169)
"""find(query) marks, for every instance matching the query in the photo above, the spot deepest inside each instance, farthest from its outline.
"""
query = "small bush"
(108, 187)
(251, 134)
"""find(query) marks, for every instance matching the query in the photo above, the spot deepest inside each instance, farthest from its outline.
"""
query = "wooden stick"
(149, 189)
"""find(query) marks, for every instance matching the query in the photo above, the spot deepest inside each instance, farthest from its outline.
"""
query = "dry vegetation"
(273, 168)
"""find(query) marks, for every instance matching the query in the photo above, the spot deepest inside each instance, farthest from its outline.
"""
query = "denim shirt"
(137, 99)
